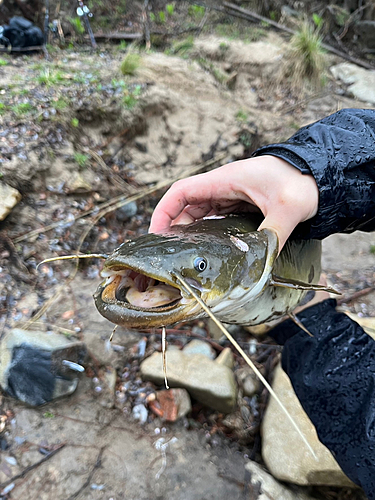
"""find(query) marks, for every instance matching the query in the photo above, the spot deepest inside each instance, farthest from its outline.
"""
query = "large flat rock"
(283, 450)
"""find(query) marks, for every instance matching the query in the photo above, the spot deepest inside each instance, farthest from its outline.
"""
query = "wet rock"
(361, 81)
(264, 486)
(248, 381)
(226, 358)
(37, 367)
(9, 197)
(207, 381)
(199, 347)
(173, 404)
(283, 451)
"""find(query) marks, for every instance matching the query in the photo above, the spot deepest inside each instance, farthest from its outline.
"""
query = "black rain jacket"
(333, 373)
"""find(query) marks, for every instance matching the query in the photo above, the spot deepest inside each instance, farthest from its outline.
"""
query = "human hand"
(284, 195)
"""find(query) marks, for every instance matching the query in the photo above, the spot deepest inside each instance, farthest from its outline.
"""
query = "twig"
(97, 464)
(350, 19)
(236, 11)
(355, 296)
(32, 467)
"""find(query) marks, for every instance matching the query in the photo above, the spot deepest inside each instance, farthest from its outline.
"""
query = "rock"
(264, 486)
(365, 31)
(126, 212)
(37, 367)
(226, 358)
(207, 381)
(361, 81)
(283, 450)
(140, 413)
(174, 404)
(199, 347)
(248, 381)
(214, 330)
(9, 197)
(107, 386)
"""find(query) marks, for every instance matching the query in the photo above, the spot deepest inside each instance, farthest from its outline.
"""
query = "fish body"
(232, 266)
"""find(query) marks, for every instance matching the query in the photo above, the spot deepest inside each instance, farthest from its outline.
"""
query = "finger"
(192, 213)
(282, 225)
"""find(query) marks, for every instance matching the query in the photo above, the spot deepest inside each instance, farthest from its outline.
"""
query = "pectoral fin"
(300, 285)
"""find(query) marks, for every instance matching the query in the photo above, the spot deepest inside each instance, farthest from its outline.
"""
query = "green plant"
(77, 25)
(318, 20)
(161, 16)
(241, 116)
(129, 100)
(170, 8)
(2, 108)
(74, 122)
(3, 62)
(81, 159)
(224, 47)
(372, 249)
(22, 108)
(152, 17)
(48, 414)
(196, 12)
(60, 104)
(49, 77)
(306, 58)
(183, 46)
(130, 64)
(122, 46)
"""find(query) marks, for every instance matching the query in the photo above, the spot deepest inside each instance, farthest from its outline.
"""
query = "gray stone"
(361, 81)
(127, 211)
(284, 452)
(9, 197)
(226, 358)
(207, 381)
(365, 31)
(248, 381)
(199, 347)
(266, 487)
(37, 367)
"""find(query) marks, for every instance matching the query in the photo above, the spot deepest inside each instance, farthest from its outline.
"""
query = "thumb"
(282, 225)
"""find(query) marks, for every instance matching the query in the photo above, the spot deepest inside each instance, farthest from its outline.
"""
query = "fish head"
(218, 258)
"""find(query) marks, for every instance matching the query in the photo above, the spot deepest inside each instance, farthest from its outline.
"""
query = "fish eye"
(200, 264)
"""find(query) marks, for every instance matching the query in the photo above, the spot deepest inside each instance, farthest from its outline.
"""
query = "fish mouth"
(135, 290)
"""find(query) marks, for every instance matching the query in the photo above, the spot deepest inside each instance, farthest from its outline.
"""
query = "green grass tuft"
(130, 64)
(306, 58)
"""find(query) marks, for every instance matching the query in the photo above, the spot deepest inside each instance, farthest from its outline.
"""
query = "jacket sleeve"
(333, 375)
(339, 151)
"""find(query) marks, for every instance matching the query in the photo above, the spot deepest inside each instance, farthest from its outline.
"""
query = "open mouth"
(138, 290)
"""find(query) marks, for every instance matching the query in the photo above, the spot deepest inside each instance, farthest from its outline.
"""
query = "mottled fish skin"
(235, 284)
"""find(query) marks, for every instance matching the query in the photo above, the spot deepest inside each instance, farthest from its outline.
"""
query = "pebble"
(210, 383)
(140, 413)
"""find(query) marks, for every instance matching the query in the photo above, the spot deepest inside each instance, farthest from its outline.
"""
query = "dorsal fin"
(300, 285)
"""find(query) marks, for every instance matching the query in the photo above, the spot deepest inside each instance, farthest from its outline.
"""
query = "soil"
(76, 137)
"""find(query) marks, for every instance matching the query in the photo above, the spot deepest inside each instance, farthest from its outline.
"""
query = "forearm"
(339, 151)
